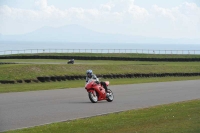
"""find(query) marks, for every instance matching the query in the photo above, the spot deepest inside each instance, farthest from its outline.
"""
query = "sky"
(150, 18)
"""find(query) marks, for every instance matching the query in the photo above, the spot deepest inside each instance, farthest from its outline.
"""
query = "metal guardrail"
(139, 51)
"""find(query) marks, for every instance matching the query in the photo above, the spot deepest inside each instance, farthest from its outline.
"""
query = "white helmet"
(89, 73)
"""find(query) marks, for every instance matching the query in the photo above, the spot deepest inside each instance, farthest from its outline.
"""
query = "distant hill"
(76, 33)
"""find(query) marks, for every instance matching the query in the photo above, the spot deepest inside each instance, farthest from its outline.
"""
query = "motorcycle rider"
(90, 75)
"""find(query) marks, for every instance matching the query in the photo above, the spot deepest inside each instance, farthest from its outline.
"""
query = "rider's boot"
(107, 95)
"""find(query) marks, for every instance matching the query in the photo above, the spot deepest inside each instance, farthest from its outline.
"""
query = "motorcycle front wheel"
(93, 96)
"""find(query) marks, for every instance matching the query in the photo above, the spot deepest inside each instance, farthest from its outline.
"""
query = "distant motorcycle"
(70, 61)
(96, 92)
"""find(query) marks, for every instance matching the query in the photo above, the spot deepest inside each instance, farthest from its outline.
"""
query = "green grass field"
(183, 117)
(58, 68)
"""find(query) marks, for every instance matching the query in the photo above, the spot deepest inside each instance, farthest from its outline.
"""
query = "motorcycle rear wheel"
(110, 97)
(93, 97)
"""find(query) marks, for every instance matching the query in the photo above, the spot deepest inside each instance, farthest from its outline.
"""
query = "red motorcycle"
(96, 92)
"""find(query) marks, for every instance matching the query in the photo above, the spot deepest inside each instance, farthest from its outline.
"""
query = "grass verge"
(181, 117)
(5, 88)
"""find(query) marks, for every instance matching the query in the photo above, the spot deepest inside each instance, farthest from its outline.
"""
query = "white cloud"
(45, 11)
(107, 6)
(137, 12)
(180, 20)
(183, 11)
(102, 14)
(15, 13)
(42, 4)
(183, 20)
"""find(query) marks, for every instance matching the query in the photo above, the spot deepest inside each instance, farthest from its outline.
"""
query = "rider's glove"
(97, 82)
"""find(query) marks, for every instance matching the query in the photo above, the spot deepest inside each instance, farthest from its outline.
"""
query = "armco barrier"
(104, 76)
(102, 58)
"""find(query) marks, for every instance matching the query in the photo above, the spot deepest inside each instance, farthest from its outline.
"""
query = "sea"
(68, 47)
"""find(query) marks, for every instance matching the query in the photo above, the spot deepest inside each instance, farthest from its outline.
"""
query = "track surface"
(27, 109)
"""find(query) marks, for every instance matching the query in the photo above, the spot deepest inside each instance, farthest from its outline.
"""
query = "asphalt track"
(28, 109)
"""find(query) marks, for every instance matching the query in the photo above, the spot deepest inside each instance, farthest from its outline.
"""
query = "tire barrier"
(103, 58)
(67, 77)
(35, 81)
(58, 78)
(41, 79)
(52, 78)
(106, 76)
(47, 79)
(7, 81)
(27, 81)
(63, 78)
(5, 63)
(19, 81)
